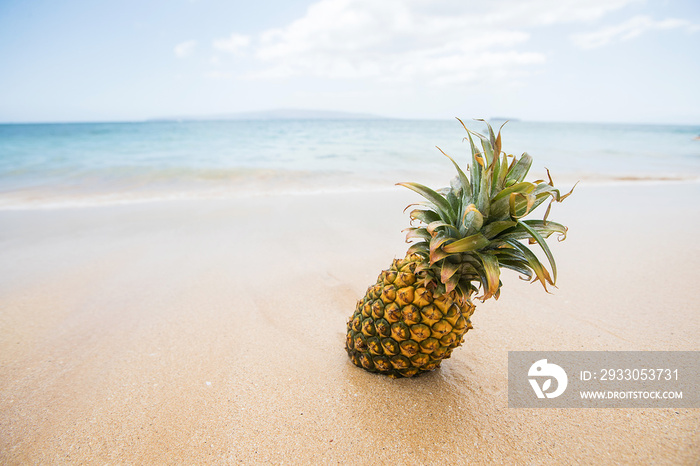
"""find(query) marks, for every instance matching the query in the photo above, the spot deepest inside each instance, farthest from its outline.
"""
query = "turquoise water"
(78, 164)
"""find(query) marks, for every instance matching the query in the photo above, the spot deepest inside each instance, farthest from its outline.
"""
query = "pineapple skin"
(400, 328)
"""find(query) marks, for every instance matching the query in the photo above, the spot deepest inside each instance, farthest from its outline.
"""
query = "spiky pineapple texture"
(418, 310)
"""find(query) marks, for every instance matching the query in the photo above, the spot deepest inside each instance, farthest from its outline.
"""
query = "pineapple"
(419, 309)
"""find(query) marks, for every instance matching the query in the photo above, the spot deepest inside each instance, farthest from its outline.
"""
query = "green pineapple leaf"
(442, 206)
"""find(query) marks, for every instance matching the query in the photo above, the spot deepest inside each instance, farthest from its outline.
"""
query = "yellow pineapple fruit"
(419, 309)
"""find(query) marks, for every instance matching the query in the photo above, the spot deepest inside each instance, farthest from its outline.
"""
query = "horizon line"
(322, 115)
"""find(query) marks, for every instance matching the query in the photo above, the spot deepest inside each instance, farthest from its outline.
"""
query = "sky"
(635, 61)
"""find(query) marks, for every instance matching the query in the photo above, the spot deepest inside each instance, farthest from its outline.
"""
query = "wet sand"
(212, 331)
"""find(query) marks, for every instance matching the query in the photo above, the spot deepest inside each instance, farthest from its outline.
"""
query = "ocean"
(82, 164)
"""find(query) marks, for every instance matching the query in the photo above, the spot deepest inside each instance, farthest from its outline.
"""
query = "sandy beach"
(212, 331)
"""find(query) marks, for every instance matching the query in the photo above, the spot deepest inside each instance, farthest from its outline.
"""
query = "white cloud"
(185, 49)
(627, 30)
(452, 41)
(235, 44)
(546, 12)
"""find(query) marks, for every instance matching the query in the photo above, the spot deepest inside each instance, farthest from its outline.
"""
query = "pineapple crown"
(470, 230)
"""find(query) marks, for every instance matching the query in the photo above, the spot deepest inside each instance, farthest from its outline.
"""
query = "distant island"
(496, 118)
(291, 114)
(279, 114)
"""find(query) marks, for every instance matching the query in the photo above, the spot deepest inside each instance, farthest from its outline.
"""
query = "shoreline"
(44, 200)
